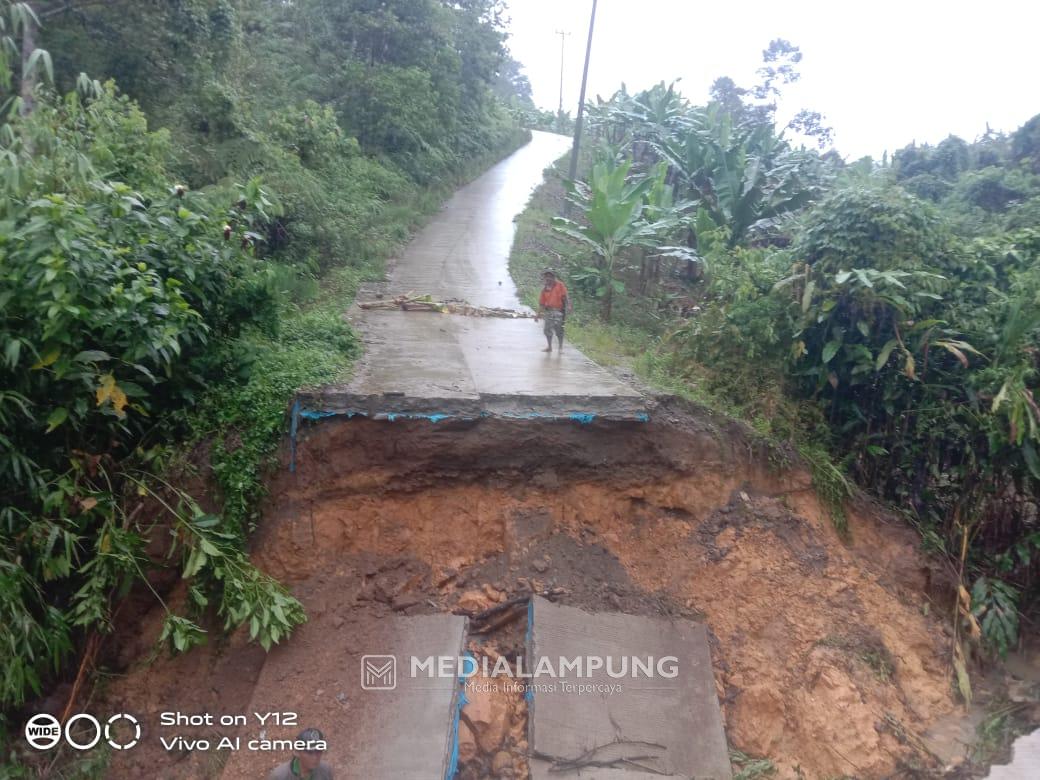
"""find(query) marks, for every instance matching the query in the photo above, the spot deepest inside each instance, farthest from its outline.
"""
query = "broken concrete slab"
(652, 726)
(380, 726)
(1025, 760)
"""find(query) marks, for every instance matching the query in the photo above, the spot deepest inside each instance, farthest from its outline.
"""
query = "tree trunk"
(28, 78)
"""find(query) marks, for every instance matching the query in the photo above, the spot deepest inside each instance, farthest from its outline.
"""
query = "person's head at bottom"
(306, 761)
(309, 760)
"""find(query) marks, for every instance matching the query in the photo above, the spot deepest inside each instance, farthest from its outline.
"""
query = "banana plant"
(655, 114)
(612, 207)
(664, 212)
(610, 120)
(18, 24)
(745, 176)
(639, 122)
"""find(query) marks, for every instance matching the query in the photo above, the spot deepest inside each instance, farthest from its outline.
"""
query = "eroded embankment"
(822, 648)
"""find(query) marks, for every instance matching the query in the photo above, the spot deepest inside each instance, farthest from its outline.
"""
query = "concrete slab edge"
(460, 702)
(391, 407)
(582, 410)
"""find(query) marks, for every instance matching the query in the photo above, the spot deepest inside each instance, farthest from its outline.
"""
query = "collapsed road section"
(580, 692)
(683, 517)
(462, 472)
(822, 655)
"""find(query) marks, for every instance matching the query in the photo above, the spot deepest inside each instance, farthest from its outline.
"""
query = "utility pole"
(581, 106)
(563, 38)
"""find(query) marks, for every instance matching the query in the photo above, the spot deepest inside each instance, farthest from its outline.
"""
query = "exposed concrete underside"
(1025, 760)
(652, 727)
(428, 364)
(399, 734)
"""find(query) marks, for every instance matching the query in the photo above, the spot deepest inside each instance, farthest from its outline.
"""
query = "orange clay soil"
(825, 656)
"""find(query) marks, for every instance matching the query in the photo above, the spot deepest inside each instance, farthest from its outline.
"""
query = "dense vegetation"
(181, 228)
(883, 316)
(176, 248)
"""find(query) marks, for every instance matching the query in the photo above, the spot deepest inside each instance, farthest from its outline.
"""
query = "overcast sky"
(883, 72)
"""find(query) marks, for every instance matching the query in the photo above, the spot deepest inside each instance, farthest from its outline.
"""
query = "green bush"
(155, 300)
(112, 293)
(870, 227)
(884, 318)
(923, 351)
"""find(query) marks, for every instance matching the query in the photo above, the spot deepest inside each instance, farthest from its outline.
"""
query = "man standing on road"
(553, 304)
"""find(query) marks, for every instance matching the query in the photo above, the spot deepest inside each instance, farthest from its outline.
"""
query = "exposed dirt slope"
(823, 650)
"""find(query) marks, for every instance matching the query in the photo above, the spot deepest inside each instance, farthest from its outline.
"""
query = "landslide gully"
(822, 647)
(818, 638)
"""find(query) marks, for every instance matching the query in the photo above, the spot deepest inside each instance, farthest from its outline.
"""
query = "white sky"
(883, 72)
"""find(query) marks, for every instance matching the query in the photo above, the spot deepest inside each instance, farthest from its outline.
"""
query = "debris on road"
(412, 302)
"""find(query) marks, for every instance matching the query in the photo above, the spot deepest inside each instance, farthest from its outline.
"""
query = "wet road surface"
(428, 363)
(464, 251)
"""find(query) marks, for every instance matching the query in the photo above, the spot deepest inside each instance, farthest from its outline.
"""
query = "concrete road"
(424, 363)
(464, 251)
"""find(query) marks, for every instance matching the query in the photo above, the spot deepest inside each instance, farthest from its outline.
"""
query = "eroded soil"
(825, 656)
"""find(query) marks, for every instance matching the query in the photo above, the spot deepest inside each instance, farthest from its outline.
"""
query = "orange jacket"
(555, 297)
